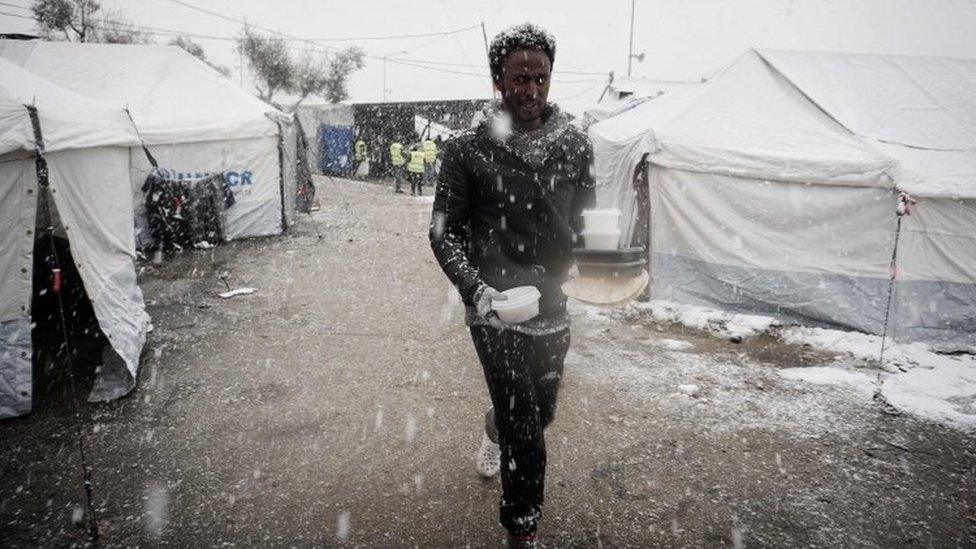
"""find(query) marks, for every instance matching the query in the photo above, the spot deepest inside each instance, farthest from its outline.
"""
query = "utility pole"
(384, 58)
(630, 53)
(484, 34)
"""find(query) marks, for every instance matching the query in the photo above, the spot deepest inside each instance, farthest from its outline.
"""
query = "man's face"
(525, 86)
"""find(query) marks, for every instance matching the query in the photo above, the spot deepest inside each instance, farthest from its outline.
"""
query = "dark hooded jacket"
(508, 204)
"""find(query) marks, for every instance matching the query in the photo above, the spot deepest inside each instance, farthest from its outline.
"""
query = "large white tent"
(193, 120)
(86, 148)
(773, 188)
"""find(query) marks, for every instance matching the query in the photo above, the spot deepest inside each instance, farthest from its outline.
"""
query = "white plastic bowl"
(522, 304)
(601, 241)
(602, 221)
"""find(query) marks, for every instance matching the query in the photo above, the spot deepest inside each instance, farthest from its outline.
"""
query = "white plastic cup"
(522, 305)
(602, 221)
(605, 241)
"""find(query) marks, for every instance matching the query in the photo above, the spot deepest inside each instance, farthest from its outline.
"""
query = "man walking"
(397, 161)
(507, 213)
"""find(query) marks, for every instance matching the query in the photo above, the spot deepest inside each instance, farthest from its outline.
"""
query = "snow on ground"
(862, 346)
(715, 395)
(704, 318)
(916, 379)
(675, 345)
(832, 375)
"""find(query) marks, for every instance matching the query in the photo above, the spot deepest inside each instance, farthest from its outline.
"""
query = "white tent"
(193, 120)
(625, 93)
(773, 188)
(86, 148)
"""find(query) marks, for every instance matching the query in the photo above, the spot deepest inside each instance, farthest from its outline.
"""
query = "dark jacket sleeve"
(584, 197)
(450, 221)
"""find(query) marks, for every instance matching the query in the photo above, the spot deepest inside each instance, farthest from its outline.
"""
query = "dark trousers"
(523, 374)
(416, 182)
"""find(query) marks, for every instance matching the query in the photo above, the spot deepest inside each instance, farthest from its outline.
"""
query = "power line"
(392, 37)
(18, 6)
(430, 65)
(16, 15)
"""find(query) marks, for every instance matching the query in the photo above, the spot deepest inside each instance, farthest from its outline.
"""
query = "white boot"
(489, 458)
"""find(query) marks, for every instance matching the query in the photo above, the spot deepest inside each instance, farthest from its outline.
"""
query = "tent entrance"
(68, 345)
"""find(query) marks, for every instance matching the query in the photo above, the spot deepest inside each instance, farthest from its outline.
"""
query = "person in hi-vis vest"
(430, 159)
(415, 170)
(398, 162)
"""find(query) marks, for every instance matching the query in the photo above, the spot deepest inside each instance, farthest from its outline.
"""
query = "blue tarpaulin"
(335, 149)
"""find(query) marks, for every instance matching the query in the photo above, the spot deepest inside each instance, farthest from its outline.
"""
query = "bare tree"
(115, 28)
(268, 58)
(73, 18)
(341, 65)
(196, 50)
(311, 76)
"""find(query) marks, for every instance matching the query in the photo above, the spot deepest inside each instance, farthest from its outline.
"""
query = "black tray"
(625, 255)
(627, 269)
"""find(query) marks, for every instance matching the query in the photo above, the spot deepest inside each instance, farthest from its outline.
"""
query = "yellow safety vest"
(396, 154)
(416, 164)
(430, 151)
(360, 150)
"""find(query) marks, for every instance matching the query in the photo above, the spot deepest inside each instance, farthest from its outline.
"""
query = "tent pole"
(630, 51)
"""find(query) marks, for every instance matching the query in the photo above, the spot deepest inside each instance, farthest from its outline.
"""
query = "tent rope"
(905, 201)
(145, 148)
(44, 183)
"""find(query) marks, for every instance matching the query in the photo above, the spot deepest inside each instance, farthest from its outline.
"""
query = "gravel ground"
(340, 405)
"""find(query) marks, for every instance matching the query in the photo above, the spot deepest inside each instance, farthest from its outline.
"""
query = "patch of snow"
(832, 375)
(704, 318)
(945, 392)
(861, 346)
(917, 380)
(675, 345)
(237, 292)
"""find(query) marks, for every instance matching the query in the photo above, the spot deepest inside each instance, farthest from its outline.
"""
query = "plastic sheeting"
(335, 149)
(815, 254)
(771, 224)
(313, 117)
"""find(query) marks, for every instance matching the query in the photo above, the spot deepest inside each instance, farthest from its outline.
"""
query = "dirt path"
(340, 406)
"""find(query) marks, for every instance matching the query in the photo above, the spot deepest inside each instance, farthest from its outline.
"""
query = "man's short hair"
(520, 37)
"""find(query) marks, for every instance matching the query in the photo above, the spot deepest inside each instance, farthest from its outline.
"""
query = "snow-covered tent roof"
(172, 96)
(68, 120)
(827, 118)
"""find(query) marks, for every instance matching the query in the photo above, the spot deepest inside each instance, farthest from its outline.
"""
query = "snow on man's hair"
(519, 37)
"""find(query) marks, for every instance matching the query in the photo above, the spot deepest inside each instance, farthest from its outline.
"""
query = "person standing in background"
(398, 162)
(415, 170)
(360, 155)
(430, 159)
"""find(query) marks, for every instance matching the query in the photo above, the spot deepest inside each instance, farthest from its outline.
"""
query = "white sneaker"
(489, 458)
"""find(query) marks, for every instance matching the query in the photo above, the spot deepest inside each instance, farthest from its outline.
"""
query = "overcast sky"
(682, 39)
